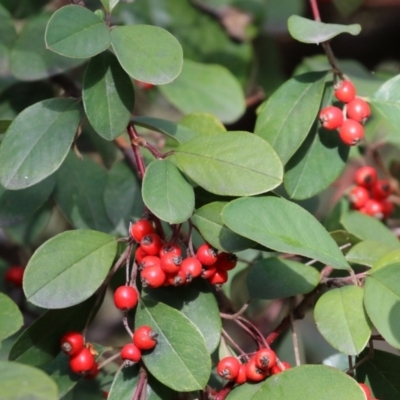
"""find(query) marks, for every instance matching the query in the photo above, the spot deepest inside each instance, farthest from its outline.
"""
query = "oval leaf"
(309, 31)
(231, 163)
(382, 301)
(273, 278)
(108, 96)
(368, 252)
(75, 31)
(170, 360)
(11, 319)
(284, 226)
(341, 319)
(147, 53)
(206, 88)
(288, 115)
(37, 142)
(19, 381)
(203, 123)
(84, 258)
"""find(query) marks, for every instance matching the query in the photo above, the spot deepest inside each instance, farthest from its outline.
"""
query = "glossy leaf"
(30, 49)
(341, 319)
(166, 192)
(231, 163)
(368, 252)
(284, 226)
(19, 381)
(63, 283)
(181, 350)
(206, 88)
(368, 228)
(196, 302)
(13, 203)
(11, 319)
(176, 131)
(274, 278)
(208, 221)
(203, 123)
(382, 301)
(288, 115)
(75, 31)
(311, 382)
(108, 96)
(37, 142)
(7, 39)
(79, 193)
(147, 53)
(309, 31)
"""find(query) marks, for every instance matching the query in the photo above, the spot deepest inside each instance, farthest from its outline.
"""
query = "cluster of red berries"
(81, 357)
(370, 195)
(260, 365)
(349, 120)
(162, 264)
(14, 275)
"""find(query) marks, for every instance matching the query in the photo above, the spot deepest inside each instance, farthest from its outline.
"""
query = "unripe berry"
(82, 362)
(331, 117)
(152, 276)
(358, 110)
(345, 91)
(351, 132)
(140, 229)
(228, 368)
(15, 275)
(358, 197)
(366, 176)
(130, 354)
(72, 343)
(144, 338)
(206, 254)
(125, 297)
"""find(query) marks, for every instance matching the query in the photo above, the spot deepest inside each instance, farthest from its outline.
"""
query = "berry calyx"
(228, 368)
(242, 375)
(358, 110)
(206, 254)
(140, 229)
(144, 338)
(82, 362)
(152, 276)
(170, 248)
(366, 176)
(358, 197)
(192, 267)
(345, 91)
(226, 261)
(331, 117)
(171, 263)
(151, 244)
(125, 297)
(255, 373)
(351, 132)
(72, 343)
(382, 189)
(130, 354)
(265, 358)
(15, 275)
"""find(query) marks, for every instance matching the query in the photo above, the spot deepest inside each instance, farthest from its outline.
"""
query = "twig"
(138, 157)
(294, 333)
(108, 360)
(238, 314)
(141, 384)
(126, 325)
(234, 344)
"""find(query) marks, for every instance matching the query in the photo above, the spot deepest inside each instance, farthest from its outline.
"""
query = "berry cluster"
(370, 195)
(162, 264)
(349, 120)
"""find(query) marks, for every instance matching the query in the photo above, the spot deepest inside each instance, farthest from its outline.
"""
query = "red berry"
(93, 372)
(226, 261)
(206, 254)
(351, 132)
(153, 276)
(358, 197)
(220, 277)
(345, 91)
(130, 354)
(228, 367)
(208, 273)
(242, 375)
(170, 248)
(144, 338)
(171, 263)
(382, 189)
(144, 85)
(151, 244)
(179, 279)
(125, 297)
(366, 176)
(140, 229)
(72, 343)
(331, 117)
(358, 110)
(192, 267)
(366, 390)
(148, 261)
(265, 358)
(254, 373)
(387, 208)
(139, 255)
(82, 362)
(373, 208)
(276, 369)
(14, 275)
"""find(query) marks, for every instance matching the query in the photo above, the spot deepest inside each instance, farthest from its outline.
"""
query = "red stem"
(315, 10)
(138, 157)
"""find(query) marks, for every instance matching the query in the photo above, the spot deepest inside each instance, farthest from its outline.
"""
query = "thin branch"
(138, 156)
(141, 384)
(234, 344)
(238, 314)
(294, 333)
(108, 360)
(126, 325)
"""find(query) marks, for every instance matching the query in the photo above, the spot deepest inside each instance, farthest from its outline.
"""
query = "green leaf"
(341, 319)
(274, 278)
(19, 381)
(197, 303)
(37, 142)
(40, 342)
(147, 53)
(64, 283)
(30, 50)
(390, 258)
(206, 88)
(13, 203)
(368, 228)
(4, 124)
(180, 351)
(208, 221)
(171, 129)
(11, 319)
(382, 301)
(7, 39)
(347, 7)
(231, 163)
(166, 192)
(75, 31)
(368, 252)
(288, 115)
(202, 123)
(79, 193)
(311, 382)
(284, 226)
(109, 4)
(108, 96)
(309, 31)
